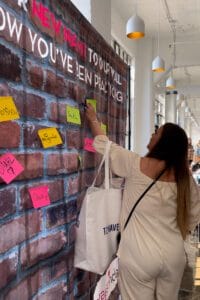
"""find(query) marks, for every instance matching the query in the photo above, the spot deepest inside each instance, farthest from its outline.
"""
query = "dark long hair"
(172, 147)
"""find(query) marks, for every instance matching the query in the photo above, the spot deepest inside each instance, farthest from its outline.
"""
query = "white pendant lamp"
(170, 83)
(135, 27)
(158, 64)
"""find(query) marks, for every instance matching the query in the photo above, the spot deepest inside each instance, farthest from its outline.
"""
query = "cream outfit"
(151, 252)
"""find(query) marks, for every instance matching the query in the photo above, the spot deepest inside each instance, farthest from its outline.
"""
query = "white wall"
(84, 7)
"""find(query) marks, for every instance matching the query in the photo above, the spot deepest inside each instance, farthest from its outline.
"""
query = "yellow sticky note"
(8, 110)
(49, 137)
(92, 102)
(73, 115)
(104, 128)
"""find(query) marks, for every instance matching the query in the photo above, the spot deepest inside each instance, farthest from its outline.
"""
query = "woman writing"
(151, 252)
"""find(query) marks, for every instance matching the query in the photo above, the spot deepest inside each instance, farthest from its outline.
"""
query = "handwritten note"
(104, 128)
(73, 115)
(8, 110)
(9, 167)
(88, 145)
(49, 137)
(39, 196)
(93, 102)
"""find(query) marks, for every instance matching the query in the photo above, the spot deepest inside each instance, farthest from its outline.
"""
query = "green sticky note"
(93, 102)
(104, 128)
(73, 115)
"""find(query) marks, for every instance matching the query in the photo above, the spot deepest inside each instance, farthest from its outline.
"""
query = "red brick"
(87, 178)
(31, 137)
(61, 214)
(9, 64)
(8, 269)
(56, 192)
(7, 202)
(29, 105)
(62, 163)
(55, 84)
(26, 288)
(73, 185)
(41, 249)
(35, 76)
(9, 135)
(56, 292)
(56, 269)
(77, 92)
(72, 234)
(4, 90)
(74, 139)
(19, 230)
(89, 160)
(33, 165)
(58, 112)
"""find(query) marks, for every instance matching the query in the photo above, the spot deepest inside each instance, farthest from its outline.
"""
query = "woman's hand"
(92, 118)
(90, 113)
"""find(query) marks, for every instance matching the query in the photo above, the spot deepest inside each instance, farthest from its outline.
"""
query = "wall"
(45, 65)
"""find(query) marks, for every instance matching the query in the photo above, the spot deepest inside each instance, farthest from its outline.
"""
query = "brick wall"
(48, 52)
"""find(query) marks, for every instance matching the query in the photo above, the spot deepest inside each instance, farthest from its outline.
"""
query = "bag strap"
(140, 198)
(106, 160)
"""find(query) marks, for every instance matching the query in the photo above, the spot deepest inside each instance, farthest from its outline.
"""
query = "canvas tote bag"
(98, 224)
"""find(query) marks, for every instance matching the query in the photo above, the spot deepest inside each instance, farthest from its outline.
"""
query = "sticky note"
(39, 196)
(88, 145)
(8, 110)
(73, 115)
(104, 128)
(93, 102)
(49, 137)
(9, 167)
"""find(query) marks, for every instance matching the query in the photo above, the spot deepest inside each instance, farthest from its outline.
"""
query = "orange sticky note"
(9, 167)
(49, 137)
(88, 145)
(8, 110)
(39, 196)
(73, 115)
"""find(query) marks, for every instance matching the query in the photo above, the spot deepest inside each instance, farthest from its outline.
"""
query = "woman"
(151, 252)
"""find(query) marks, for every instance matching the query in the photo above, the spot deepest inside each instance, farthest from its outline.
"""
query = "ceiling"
(179, 21)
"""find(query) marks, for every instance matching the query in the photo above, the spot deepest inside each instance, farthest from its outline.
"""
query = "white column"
(143, 102)
(170, 107)
(188, 126)
(182, 115)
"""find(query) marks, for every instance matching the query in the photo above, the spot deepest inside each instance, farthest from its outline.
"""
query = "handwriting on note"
(10, 168)
(49, 137)
(93, 102)
(104, 128)
(88, 145)
(39, 196)
(73, 115)
(8, 110)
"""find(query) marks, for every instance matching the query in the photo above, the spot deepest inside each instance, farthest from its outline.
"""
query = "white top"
(158, 207)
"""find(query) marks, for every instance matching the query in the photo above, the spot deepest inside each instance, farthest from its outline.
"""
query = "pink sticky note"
(39, 196)
(9, 167)
(88, 145)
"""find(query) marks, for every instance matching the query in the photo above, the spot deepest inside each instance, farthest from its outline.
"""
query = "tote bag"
(98, 224)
